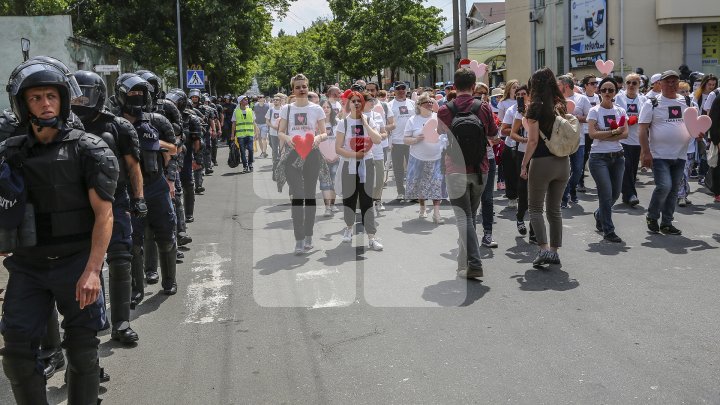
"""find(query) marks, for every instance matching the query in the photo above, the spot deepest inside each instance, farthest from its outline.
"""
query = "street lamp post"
(179, 45)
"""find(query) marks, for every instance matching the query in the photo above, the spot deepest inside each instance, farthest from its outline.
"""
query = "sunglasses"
(607, 90)
(426, 102)
(632, 83)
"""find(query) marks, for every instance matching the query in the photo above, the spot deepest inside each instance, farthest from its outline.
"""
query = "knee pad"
(19, 345)
(82, 346)
(118, 252)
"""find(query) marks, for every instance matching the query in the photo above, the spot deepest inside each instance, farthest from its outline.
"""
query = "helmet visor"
(174, 97)
(133, 81)
(89, 98)
(52, 75)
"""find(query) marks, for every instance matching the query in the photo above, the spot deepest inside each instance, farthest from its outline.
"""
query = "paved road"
(632, 323)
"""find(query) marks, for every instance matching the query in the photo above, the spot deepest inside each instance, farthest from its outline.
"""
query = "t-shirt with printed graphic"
(302, 119)
(669, 137)
(425, 151)
(603, 116)
(593, 100)
(355, 128)
(402, 110)
(273, 117)
(582, 108)
(632, 106)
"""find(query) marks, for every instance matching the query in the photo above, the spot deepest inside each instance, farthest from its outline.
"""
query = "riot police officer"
(157, 144)
(122, 138)
(199, 157)
(69, 181)
(192, 129)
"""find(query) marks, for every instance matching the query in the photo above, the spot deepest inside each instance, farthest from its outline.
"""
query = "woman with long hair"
(518, 136)
(354, 137)
(424, 174)
(546, 173)
(328, 187)
(707, 85)
(298, 119)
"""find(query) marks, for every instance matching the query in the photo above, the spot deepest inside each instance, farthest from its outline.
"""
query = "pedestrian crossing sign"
(195, 79)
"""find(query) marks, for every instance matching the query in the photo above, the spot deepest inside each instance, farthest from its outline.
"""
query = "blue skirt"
(424, 180)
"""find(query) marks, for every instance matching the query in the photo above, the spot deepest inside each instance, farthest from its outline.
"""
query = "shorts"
(263, 130)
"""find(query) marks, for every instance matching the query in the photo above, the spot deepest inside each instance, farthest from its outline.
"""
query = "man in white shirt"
(577, 160)
(402, 109)
(664, 149)
(655, 86)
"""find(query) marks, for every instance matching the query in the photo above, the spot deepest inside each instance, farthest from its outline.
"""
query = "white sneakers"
(373, 244)
(347, 235)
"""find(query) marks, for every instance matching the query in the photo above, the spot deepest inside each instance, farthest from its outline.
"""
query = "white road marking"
(207, 291)
(320, 280)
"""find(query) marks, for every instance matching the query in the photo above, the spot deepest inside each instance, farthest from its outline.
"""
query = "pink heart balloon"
(430, 131)
(526, 125)
(604, 67)
(479, 68)
(327, 148)
(696, 125)
(379, 109)
(570, 106)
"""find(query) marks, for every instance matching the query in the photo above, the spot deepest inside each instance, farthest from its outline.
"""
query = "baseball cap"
(668, 73)
(654, 78)
(241, 98)
(13, 197)
(400, 86)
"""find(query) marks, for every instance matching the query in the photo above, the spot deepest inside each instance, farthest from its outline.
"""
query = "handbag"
(712, 155)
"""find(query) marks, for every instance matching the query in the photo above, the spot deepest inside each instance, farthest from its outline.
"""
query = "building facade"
(569, 35)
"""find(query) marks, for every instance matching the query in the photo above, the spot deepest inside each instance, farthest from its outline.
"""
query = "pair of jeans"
(246, 146)
(607, 170)
(684, 188)
(632, 162)
(400, 156)
(303, 183)
(465, 191)
(667, 174)
(586, 156)
(577, 165)
(486, 200)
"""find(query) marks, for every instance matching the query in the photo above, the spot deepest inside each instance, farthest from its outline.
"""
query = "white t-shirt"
(355, 128)
(668, 136)
(582, 108)
(508, 119)
(425, 151)
(593, 100)
(377, 148)
(273, 116)
(632, 107)
(652, 93)
(402, 111)
(522, 146)
(302, 119)
(602, 116)
(385, 142)
(503, 106)
(709, 101)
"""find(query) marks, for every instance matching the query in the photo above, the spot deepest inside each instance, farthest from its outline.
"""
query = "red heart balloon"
(463, 62)
(613, 124)
(359, 143)
(622, 121)
(632, 120)
(303, 144)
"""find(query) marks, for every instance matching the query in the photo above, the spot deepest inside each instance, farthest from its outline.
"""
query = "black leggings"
(353, 191)
(522, 188)
(510, 171)
(303, 184)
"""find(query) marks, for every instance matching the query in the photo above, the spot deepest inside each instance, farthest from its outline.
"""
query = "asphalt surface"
(634, 323)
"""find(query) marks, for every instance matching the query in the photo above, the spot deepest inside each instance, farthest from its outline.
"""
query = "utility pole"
(456, 32)
(181, 72)
(463, 29)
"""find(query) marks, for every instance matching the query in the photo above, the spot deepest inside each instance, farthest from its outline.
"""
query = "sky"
(303, 12)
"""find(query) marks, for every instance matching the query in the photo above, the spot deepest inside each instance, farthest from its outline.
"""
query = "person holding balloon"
(607, 125)
(354, 137)
(424, 175)
(327, 149)
(301, 129)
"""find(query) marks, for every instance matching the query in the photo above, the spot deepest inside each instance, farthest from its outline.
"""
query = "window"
(80, 65)
(560, 60)
(540, 62)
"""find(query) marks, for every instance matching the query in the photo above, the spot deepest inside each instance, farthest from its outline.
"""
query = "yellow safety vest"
(244, 125)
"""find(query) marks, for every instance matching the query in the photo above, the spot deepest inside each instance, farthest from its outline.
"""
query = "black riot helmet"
(132, 93)
(94, 94)
(179, 98)
(41, 71)
(194, 93)
(154, 81)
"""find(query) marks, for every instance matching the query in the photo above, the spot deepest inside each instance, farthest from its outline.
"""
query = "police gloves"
(138, 207)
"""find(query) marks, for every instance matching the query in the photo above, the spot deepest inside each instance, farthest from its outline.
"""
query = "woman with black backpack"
(547, 173)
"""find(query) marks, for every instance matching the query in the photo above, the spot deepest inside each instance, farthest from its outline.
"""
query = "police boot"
(28, 385)
(168, 255)
(83, 371)
(120, 292)
(151, 259)
(189, 199)
(179, 211)
(52, 361)
(138, 277)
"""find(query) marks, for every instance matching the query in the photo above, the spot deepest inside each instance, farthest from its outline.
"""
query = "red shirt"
(463, 103)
